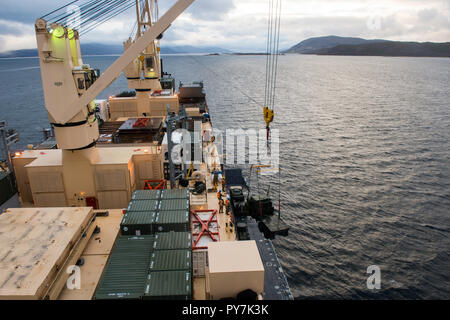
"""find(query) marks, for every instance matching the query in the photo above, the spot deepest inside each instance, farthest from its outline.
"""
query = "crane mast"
(144, 72)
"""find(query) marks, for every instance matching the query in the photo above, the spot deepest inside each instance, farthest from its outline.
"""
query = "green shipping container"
(166, 221)
(143, 205)
(137, 223)
(170, 285)
(171, 260)
(126, 272)
(172, 240)
(174, 204)
(146, 195)
(175, 194)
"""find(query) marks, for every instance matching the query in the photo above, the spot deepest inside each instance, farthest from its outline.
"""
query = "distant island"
(108, 49)
(334, 45)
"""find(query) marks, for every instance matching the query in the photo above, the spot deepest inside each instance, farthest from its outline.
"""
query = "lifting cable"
(103, 13)
(133, 30)
(86, 10)
(65, 13)
(272, 54)
(111, 13)
(60, 8)
(89, 14)
(115, 13)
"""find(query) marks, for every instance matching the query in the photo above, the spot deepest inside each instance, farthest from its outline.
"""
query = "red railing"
(141, 123)
(155, 184)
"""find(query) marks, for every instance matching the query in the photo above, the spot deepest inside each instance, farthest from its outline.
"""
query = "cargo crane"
(70, 87)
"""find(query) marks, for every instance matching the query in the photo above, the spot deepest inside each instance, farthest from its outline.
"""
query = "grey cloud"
(10, 29)
(431, 20)
(204, 9)
(27, 11)
(211, 9)
(427, 14)
(218, 23)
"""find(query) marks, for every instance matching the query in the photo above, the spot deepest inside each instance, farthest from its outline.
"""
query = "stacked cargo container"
(169, 285)
(170, 260)
(151, 265)
(124, 277)
(153, 211)
(170, 267)
(141, 213)
(138, 223)
(173, 211)
(146, 195)
(173, 240)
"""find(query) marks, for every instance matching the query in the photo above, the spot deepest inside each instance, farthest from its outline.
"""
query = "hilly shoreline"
(107, 49)
(329, 45)
(333, 45)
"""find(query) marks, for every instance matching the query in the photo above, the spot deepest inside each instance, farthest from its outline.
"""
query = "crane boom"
(114, 71)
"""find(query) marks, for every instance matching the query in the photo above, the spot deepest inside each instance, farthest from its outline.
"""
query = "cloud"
(242, 24)
(11, 42)
(210, 10)
(27, 11)
(427, 14)
(15, 35)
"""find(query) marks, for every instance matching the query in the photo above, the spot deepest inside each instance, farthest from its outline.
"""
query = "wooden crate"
(37, 244)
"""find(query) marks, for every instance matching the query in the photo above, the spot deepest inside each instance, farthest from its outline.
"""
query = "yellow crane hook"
(268, 118)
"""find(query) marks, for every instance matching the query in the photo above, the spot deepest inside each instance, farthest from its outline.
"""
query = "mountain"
(333, 45)
(113, 49)
(311, 45)
(392, 49)
(86, 49)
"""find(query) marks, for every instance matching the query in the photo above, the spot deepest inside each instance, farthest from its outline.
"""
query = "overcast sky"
(241, 25)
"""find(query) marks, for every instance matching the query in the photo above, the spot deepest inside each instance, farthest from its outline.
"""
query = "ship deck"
(99, 248)
(95, 256)
(225, 234)
(276, 286)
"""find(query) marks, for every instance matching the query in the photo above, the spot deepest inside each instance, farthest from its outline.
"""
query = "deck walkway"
(96, 256)
(226, 234)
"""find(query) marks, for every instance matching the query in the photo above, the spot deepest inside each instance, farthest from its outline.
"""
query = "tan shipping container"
(147, 167)
(113, 185)
(23, 183)
(47, 186)
(234, 266)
